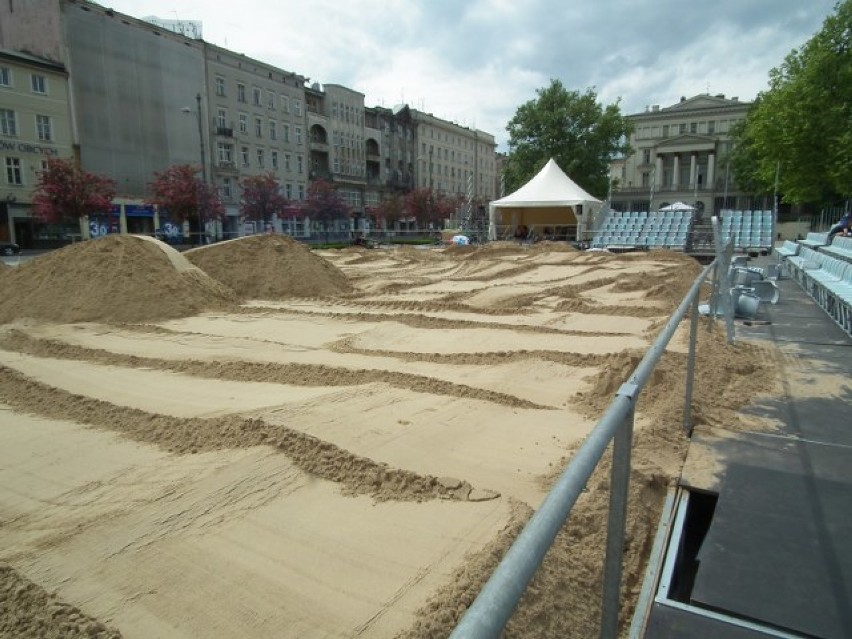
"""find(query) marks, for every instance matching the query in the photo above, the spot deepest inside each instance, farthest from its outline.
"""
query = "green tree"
(572, 128)
(801, 126)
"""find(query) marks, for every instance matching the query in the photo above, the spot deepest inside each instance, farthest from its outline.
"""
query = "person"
(843, 227)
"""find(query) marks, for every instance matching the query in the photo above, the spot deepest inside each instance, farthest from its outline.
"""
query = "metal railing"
(496, 602)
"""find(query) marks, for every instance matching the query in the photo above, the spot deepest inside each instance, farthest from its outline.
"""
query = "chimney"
(734, 98)
(655, 108)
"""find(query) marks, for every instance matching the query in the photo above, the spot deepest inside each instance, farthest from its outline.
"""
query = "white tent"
(550, 199)
(678, 206)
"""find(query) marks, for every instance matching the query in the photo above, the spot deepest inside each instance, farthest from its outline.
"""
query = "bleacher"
(640, 229)
(750, 230)
(825, 273)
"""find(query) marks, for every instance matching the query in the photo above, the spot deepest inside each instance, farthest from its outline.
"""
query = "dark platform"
(776, 558)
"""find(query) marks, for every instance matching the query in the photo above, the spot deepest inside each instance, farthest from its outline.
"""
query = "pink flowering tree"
(185, 196)
(262, 198)
(66, 192)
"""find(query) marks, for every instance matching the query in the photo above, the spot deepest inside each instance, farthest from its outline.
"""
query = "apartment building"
(35, 125)
(256, 122)
(143, 97)
(455, 160)
(680, 153)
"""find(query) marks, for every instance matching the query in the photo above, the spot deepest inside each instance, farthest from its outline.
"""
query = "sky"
(474, 62)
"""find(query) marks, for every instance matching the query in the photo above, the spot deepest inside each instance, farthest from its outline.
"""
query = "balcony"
(225, 131)
(226, 166)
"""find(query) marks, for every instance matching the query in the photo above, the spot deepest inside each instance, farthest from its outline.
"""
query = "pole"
(203, 170)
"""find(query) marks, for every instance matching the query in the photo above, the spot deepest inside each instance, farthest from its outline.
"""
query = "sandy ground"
(187, 450)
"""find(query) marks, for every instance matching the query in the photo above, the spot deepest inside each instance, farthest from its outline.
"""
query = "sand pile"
(120, 278)
(270, 267)
(32, 612)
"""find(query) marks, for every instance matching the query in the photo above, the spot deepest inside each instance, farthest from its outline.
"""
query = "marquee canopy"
(549, 198)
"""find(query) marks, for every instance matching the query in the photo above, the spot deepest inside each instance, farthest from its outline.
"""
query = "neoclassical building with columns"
(680, 153)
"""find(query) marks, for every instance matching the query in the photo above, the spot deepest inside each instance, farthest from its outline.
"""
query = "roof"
(550, 187)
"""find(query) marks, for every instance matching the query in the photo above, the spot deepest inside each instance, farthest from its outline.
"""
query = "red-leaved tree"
(324, 204)
(65, 191)
(262, 198)
(389, 210)
(179, 191)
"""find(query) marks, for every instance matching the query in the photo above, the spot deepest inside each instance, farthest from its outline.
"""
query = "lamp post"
(197, 114)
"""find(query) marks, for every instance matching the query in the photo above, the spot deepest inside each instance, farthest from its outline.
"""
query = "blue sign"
(139, 210)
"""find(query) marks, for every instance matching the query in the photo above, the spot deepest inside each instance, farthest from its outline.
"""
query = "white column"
(658, 173)
(676, 173)
(711, 170)
(692, 167)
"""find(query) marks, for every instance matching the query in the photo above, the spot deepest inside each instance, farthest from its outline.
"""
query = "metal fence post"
(690, 369)
(619, 486)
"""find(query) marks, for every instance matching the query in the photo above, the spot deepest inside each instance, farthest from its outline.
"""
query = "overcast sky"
(475, 62)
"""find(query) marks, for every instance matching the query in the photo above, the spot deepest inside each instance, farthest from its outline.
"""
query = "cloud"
(476, 62)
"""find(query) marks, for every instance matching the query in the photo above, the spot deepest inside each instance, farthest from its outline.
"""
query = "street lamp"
(197, 114)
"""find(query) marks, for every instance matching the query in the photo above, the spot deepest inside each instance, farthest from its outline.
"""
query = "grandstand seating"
(840, 248)
(750, 230)
(661, 229)
(826, 276)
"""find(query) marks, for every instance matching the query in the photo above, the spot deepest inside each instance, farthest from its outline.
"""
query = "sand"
(341, 443)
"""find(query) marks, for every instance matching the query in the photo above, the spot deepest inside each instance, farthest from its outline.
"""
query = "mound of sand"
(270, 267)
(119, 278)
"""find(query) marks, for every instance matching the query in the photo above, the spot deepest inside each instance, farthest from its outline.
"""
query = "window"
(258, 96)
(288, 191)
(241, 92)
(270, 100)
(260, 158)
(273, 130)
(221, 118)
(297, 132)
(300, 164)
(244, 154)
(301, 191)
(646, 179)
(220, 86)
(258, 127)
(273, 157)
(225, 153)
(5, 77)
(13, 171)
(39, 83)
(287, 163)
(226, 188)
(665, 130)
(711, 127)
(43, 128)
(693, 127)
(682, 129)
(646, 156)
(285, 104)
(297, 108)
(243, 123)
(8, 125)
(286, 133)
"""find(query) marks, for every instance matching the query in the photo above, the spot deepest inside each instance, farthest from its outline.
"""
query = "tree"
(262, 198)
(390, 210)
(323, 203)
(179, 191)
(801, 127)
(65, 191)
(573, 129)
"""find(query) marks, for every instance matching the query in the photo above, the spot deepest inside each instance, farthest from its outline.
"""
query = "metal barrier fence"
(491, 610)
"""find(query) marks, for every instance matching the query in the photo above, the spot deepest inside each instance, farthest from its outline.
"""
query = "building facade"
(35, 125)
(254, 119)
(143, 96)
(680, 153)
